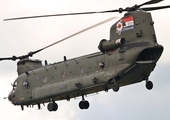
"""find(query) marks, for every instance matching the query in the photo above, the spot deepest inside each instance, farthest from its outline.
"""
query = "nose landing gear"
(84, 104)
(52, 106)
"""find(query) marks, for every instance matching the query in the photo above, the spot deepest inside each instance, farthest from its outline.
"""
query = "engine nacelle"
(110, 45)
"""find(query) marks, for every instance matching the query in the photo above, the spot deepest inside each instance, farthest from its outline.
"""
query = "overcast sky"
(22, 36)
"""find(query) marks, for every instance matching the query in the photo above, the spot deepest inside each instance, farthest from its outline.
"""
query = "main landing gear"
(84, 104)
(115, 87)
(149, 85)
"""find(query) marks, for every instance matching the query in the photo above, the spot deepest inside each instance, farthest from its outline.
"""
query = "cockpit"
(14, 85)
(12, 93)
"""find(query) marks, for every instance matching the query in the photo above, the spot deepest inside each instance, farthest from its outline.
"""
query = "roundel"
(119, 26)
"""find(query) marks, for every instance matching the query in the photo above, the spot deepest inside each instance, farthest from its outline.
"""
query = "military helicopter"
(128, 57)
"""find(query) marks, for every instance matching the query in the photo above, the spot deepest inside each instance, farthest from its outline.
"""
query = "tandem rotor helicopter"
(128, 57)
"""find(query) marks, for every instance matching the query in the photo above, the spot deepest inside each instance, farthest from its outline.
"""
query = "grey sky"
(23, 36)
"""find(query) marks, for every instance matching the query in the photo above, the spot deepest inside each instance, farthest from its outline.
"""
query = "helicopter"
(128, 57)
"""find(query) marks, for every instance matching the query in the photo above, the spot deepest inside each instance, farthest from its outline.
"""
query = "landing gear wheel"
(81, 104)
(115, 87)
(149, 85)
(106, 89)
(52, 106)
(84, 104)
(55, 106)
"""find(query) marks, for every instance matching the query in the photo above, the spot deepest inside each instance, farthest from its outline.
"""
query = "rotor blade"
(155, 8)
(150, 2)
(81, 13)
(9, 58)
(5, 58)
(30, 54)
(79, 32)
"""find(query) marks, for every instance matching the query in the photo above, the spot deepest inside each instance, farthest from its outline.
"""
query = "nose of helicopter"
(11, 95)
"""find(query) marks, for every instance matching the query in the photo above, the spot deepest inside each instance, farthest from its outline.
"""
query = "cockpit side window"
(26, 84)
(15, 85)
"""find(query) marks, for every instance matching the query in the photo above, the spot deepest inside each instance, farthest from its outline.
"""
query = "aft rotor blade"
(155, 8)
(79, 32)
(120, 10)
(150, 2)
(80, 13)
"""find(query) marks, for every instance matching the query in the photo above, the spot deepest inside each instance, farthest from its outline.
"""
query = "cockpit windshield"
(15, 85)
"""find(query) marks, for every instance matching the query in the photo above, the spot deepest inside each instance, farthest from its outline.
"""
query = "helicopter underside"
(134, 74)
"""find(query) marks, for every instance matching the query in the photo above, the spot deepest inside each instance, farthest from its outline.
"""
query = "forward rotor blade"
(81, 13)
(9, 58)
(30, 54)
(150, 2)
(5, 58)
(155, 8)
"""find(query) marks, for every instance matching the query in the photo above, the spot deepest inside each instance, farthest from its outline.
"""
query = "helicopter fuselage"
(127, 64)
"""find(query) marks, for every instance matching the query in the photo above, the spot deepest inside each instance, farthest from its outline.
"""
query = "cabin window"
(101, 65)
(45, 79)
(26, 84)
(82, 70)
(63, 74)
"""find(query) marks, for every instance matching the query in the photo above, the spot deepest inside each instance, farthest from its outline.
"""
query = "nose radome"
(10, 96)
